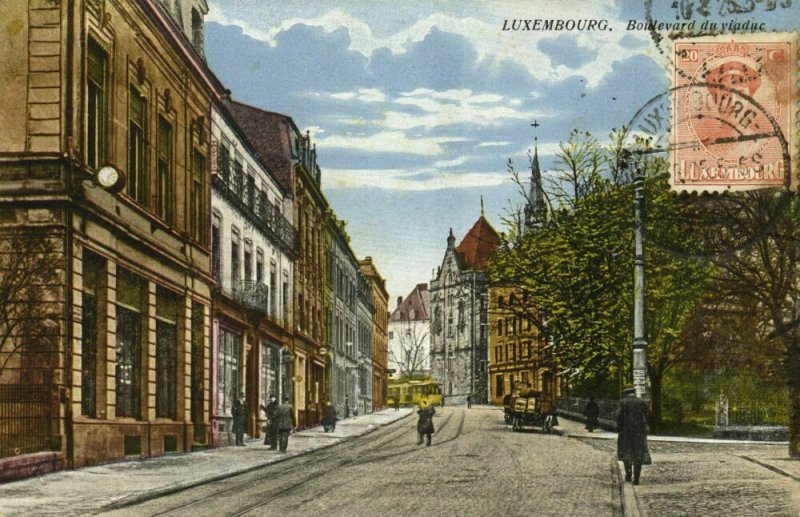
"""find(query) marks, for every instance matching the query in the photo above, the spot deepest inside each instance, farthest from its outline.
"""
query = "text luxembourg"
(539, 24)
(687, 173)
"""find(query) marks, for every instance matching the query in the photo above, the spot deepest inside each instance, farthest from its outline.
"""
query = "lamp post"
(639, 338)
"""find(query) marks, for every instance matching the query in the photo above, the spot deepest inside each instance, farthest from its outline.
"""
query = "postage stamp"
(734, 112)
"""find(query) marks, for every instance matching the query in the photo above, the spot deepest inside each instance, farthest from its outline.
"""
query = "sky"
(416, 107)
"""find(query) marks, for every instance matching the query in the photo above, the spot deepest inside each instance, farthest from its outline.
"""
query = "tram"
(412, 390)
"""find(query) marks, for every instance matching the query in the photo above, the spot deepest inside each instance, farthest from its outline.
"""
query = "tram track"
(310, 461)
(360, 461)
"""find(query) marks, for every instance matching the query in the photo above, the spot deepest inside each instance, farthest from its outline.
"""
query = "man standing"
(285, 423)
(632, 434)
(239, 416)
(591, 412)
(425, 422)
(469, 401)
(271, 410)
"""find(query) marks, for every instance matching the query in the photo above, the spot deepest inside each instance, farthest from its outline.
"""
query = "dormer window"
(198, 32)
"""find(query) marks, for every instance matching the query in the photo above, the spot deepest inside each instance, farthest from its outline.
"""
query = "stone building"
(410, 334)
(343, 319)
(459, 305)
(252, 249)
(106, 154)
(292, 159)
(364, 313)
(519, 358)
(380, 304)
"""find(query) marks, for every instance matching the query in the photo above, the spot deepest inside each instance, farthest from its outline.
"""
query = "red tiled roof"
(269, 133)
(478, 245)
(418, 300)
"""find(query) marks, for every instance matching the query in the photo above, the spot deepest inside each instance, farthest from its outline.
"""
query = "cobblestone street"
(712, 479)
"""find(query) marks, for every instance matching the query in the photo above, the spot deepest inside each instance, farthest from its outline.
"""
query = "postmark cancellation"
(734, 112)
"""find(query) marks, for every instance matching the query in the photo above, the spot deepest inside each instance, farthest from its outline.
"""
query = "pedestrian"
(469, 401)
(285, 416)
(271, 434)
(239, 416)
(632, 434)
(397, 404)
(329, 418)
(591, 412)
(425, 422)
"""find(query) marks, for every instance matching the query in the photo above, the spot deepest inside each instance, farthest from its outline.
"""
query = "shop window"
(93, 285)
(228, 371)
(168, 310)
(131, 298)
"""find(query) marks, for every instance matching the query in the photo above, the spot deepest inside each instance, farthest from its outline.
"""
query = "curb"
(156, 493)
(631, 505)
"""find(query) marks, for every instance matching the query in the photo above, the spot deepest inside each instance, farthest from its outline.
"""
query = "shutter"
(96, 64)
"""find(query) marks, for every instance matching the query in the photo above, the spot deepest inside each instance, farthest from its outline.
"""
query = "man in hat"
(632, 434)
(271, 435)
(425, 422)
(239, 416)
(285, 423)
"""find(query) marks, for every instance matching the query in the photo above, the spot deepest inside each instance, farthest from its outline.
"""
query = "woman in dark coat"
(239, 416)
(425, 422)
(329, 418)
(632, 434)
(591, 412)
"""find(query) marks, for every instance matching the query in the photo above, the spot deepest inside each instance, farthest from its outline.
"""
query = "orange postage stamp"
(734, 113)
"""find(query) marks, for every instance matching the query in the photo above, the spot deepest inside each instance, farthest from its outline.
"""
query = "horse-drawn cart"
(531, 410)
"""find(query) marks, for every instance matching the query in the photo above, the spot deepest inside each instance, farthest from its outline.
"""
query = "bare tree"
(29, 272)
(411, 356)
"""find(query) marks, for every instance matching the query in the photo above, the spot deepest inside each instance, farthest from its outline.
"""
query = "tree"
(412, 354)
(29, 309)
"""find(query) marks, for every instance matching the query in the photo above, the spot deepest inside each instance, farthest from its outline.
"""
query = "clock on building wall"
(110, 178)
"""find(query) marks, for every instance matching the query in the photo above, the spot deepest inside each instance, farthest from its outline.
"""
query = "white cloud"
(314, 130)
(411, 180)
(363, 95)
(442, 164)
(493, 144)
(388, 142)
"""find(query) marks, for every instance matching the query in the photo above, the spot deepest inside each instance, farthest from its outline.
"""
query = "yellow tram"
(411, 390)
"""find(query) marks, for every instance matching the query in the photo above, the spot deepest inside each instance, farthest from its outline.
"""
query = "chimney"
(399, 301)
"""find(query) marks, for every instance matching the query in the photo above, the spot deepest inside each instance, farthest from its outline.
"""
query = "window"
(497, 355)
(285, 300)
(391, 334)
(228, 371)
(197, 199)
(235, 258)
(224, 162)
(131, 303)
(259, 266)
(273, 285)
(93, 282)
(137, 160)
(198, 371)
(216, 250)
(251, 192)
(97, 100)
(498, 386)
(168, 309)
(248, 260)
(165, 181)
(499, 326)
(197, 31)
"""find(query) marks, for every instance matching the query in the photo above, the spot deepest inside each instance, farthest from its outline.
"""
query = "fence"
(730, 414)
(26, 419)
(572, 408)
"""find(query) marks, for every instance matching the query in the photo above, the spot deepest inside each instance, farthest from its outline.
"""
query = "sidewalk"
(692, 476)
(99, 487)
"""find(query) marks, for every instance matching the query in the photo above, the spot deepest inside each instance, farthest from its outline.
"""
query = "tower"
(535, 208)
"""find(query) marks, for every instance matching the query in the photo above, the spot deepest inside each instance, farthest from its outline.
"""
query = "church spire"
(483, 212)
(535, 209)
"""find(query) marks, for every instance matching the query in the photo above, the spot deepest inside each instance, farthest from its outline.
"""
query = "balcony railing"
(265, 216)
(252, 295)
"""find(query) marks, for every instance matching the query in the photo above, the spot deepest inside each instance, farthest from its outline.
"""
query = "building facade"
(380, 323)
(519, 358)
(108, 157)
(459, 305)
(364, 345)
(410, 334)
(292, 159)
(344, 348)
(252, 245)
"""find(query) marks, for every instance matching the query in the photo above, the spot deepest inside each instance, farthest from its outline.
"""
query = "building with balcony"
(364, 315)
(459, 305)
(409, 339)
(252, 254)
(292, 159)
(380, 322)
(344, 349)
(105, 171)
